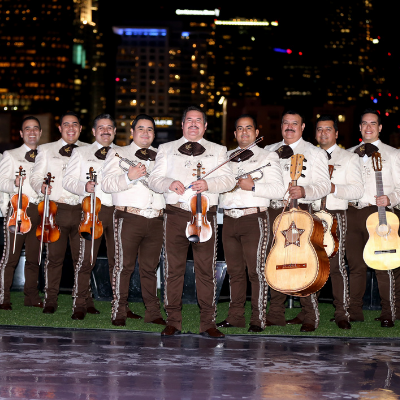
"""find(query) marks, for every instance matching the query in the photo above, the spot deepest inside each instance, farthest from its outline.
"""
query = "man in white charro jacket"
(24, 156)
(346, 185)
(246, 230)
(312, 185)
(53, 157)
(175, 164)
(76, 181)
(138, 229)
(361, 209)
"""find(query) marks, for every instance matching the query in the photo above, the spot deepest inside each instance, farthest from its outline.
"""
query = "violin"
(47, 231)
(19, 222)
(198, 229)
(91, 227)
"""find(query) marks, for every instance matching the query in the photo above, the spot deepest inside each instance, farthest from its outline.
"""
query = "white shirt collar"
(331, 149)
(293, 145)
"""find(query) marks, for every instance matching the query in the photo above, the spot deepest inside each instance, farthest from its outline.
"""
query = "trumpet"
(130, 163)
(246, 174)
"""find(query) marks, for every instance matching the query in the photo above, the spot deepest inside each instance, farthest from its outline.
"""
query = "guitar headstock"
(376, 161)
(296, 166)
(331, 169)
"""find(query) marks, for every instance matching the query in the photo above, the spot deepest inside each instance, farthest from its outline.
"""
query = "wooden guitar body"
(331, 241)
(382, 251)
(297, 263)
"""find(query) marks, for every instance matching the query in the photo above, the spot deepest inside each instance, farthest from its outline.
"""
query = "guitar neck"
(379, 192)
(293, 203)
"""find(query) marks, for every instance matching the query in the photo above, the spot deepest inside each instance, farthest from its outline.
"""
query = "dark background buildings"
(93, 56)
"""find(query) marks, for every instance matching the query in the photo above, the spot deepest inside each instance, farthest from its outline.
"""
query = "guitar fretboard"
(379, 192)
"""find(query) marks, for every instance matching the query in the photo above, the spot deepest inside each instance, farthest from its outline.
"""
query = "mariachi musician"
(138, 221)
(4, 199)
(360, 210)
(246, 224)
(314, 185)
(173, 173)
(53, 157)
(76, 181)
(346, 185)
(24, 156)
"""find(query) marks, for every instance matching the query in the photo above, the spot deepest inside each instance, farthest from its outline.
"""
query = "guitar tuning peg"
(303, 176)
(305, 160)
(304, 168)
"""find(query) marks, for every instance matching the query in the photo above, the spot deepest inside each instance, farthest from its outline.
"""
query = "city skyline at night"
(337, 62)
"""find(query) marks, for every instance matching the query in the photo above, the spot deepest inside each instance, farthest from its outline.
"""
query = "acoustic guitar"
(329, 222)
(382, 251)
(297, 263)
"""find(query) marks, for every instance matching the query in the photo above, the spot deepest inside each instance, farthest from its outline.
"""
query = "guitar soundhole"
(324, 225)
(383, 230)
(292, 235)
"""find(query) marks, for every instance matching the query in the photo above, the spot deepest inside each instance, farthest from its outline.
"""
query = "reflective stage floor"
(119, 365)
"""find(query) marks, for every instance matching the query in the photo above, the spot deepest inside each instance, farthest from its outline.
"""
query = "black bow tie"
(243, 156)
(284, 151)
(366, 149)
(66, 150)
(101, 154)
(146, 154)
(192, 149)
(329, 155)
(31, 155)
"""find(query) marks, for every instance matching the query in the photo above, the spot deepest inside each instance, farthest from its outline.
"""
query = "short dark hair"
(328, 117)
(247, 116)
(371, 111)
(194, 108)
(143, 116)
(293, 112)
(28, 118)
(103, 116)
(72, 114)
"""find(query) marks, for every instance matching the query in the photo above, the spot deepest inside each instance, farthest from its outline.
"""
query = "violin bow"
(236, 153)
(17, 218)
(93, 205)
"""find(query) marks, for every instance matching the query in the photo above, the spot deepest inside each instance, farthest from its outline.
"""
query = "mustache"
(289, 130)
(193, 127)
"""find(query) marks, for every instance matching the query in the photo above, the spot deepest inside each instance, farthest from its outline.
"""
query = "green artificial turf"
(30, 316)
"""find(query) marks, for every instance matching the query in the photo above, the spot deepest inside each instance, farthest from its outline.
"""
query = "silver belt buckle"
(234, 213)
(184, 206)
(149, 213)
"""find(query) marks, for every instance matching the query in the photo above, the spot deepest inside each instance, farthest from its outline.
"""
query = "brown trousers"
(338, 272)
(68, 219)
(9, 260)
(175, 254)
(309, 305)
(83, 268)
(143, 237)
(245, 240)
(388, 281)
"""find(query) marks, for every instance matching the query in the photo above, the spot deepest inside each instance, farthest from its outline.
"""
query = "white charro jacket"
(270, 186)
(316, 180)
(50, 160)
(123, 192)
(9, 165)
(347, 179)
(390, 175)
(171, 166)
(75, 178)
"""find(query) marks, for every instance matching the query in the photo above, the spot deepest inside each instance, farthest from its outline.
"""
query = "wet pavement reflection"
(119, 365)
